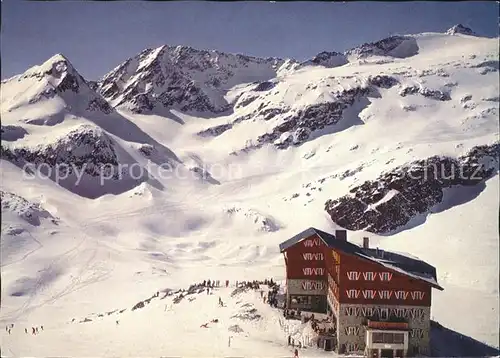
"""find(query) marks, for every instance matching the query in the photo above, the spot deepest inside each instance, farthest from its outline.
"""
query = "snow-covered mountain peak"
(56, 65)
(57, 70)
(56, 84)
(185, 78)
(460, 29)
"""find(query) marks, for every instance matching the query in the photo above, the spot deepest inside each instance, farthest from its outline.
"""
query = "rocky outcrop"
(395, 197)
(264, 86)
(383, 81)
(262, 113)
(426, 92)
(29, 211)
(328, 59)
(394, 46)
(297, 128)
(460, 29)
(86, 147)
(215, 131)
(99, 104)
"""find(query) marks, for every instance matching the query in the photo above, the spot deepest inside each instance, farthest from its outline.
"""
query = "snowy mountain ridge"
(196, 80)
(184, 77)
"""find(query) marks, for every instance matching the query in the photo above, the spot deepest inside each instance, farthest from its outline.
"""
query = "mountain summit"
(57, 81)
(184, 78)
(460, 29)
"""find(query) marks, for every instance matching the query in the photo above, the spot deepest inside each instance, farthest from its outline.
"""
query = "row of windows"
(301, 300)
(379, 337)
(306, 300)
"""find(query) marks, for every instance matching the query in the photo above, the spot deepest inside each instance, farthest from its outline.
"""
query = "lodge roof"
(398, 262)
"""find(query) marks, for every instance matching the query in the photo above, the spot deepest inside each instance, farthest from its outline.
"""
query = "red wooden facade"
(306, 259)
(363, 281)
(352, 279)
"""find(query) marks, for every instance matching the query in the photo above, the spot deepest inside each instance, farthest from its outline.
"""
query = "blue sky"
(97, 36)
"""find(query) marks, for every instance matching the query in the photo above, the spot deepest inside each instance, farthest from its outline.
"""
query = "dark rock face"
(29, 211)
(83, 148)
(460, 29)
(264, 86)
(262, 114)
(328, 59)
(147, 150)
(138, 305)
(313, 118)
(426, 92)
(99, 104)
(383, 81)
(245, 100)
(215, 131)
(406, 45)
(69, 83)
(486, 67)
(189, 97)
(94, 86)
(180, 77)
(141, 103)
(394, 198)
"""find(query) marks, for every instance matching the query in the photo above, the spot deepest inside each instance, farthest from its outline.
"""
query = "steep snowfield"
(216, 215)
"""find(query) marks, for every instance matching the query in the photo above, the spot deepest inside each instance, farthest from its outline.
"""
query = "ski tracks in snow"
(89, 272)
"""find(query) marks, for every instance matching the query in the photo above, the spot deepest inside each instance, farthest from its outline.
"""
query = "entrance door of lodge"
(386, 353)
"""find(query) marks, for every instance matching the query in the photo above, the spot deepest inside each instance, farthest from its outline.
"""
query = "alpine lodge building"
(379, 302)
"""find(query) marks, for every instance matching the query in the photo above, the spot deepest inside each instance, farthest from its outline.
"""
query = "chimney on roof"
(341, 235)
(366, 243)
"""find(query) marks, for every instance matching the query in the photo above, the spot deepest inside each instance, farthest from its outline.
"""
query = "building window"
(380, 337)
(399, 338)
(301, 300)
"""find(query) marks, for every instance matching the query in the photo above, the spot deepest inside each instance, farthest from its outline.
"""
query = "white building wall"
(352, 332)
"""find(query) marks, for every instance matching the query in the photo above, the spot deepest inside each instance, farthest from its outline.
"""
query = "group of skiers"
(250, 284)
(213, 283)
(34, 330)
(272, 296)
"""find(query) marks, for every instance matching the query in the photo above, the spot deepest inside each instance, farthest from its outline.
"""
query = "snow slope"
(227, 200)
